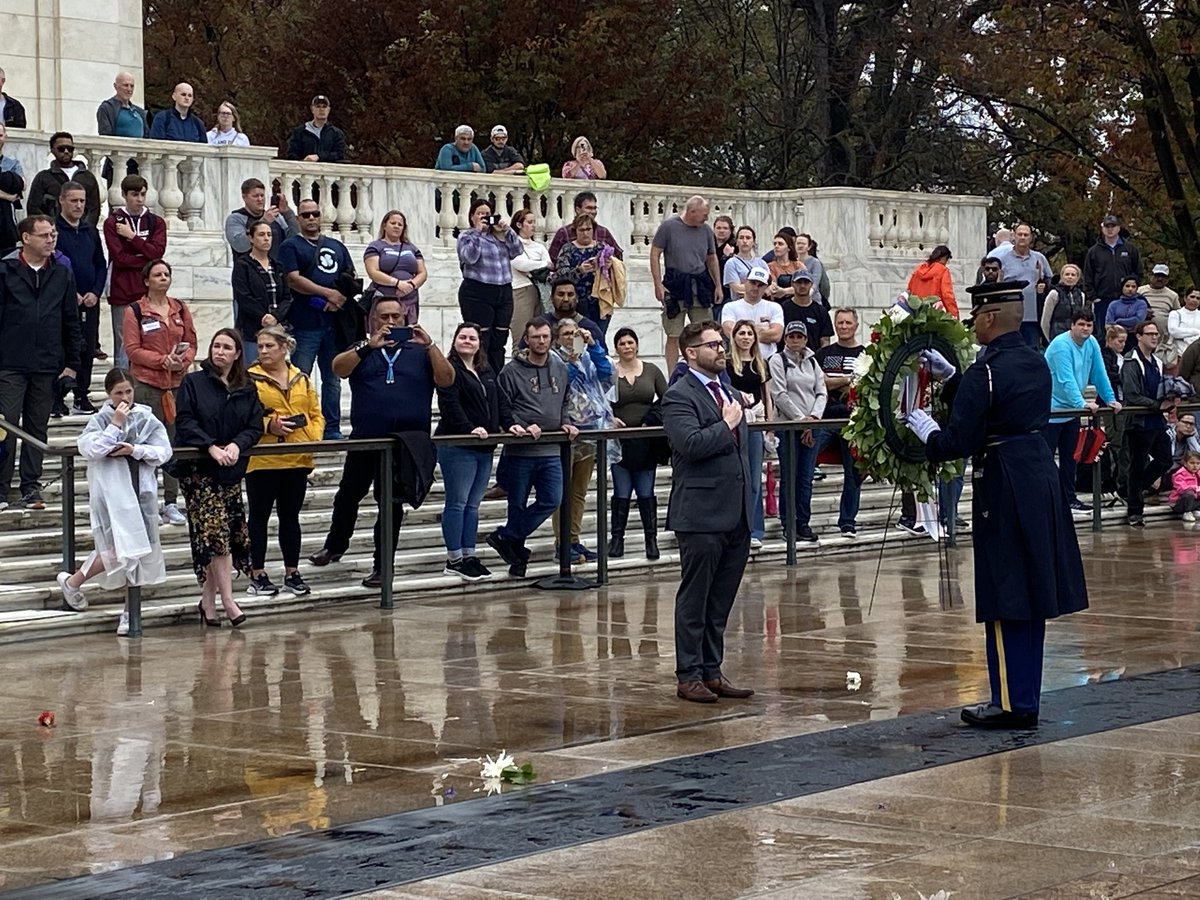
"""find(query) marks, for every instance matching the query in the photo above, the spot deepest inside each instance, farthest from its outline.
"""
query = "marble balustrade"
(869, 240)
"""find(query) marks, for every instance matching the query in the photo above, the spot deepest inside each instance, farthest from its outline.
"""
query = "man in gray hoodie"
(533, 398)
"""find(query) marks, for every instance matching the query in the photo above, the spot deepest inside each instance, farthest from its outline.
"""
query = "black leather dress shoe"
(323, 557)
(373, 580)
(995, 717)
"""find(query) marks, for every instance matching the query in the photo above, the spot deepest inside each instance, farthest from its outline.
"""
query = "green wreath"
(882, 447)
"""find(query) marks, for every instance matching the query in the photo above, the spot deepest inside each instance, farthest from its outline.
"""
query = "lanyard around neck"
(391, 361)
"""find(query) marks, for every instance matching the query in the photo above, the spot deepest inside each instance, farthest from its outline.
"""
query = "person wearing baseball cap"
(1109, 262)
(799, 307)
(798, 391)
(499, 157)
(317, 140)
(1161, 300)
(767, 315)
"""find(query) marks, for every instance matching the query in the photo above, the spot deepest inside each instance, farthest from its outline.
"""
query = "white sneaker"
(72, 597)
(172, 516)
(1188, 516)
(123, 625)
(755, 544)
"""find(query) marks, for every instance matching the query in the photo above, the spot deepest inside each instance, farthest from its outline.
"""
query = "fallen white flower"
(494, 768)
(862, 365)
(853, 681)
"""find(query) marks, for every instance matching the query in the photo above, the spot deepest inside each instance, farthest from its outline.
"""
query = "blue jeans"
(465, 474)
(542, 474)
(799, 495)
(1031, 334)
(625, 482)
(758, 526)
(318, 347)
(949, 493)
(851, 480)
(249, 352)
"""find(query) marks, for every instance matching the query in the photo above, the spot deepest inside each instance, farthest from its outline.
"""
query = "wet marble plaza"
(191, 740)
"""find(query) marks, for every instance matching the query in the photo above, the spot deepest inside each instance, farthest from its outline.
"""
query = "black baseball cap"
(320, 100)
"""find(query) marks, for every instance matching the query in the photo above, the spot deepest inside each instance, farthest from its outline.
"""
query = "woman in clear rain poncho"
(124, 444)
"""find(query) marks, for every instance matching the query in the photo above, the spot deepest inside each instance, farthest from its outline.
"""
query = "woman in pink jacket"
(932, 279)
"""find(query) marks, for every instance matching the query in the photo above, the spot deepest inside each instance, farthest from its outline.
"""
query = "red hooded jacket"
(127, 257)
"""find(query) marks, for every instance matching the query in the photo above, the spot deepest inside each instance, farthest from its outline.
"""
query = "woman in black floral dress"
(218, 413)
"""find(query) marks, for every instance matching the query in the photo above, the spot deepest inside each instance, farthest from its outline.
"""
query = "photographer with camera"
(485, 254)
(39, 344)
(392, 377)
(254, 209)
(292, 413)
(160, 339)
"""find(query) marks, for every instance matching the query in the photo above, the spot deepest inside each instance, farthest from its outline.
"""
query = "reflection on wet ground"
(191, 740)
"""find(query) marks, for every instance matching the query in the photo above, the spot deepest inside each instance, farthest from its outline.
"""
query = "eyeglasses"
(711, 345)
(311, 214)
(1149, 334)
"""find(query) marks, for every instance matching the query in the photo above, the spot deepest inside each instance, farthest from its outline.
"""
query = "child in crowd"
(1186, 487)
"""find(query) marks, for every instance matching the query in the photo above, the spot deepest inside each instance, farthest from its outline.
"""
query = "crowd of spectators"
(530, 356)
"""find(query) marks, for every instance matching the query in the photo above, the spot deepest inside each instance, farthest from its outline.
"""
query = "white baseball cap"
(1160, 269)
(499, 129)
(760, 274)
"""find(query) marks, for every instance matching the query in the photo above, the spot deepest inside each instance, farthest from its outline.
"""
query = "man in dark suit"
(710, 458)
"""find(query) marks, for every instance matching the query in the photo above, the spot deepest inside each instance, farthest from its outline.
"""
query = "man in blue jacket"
(1075, 362)
(179, 123)
(80, 243)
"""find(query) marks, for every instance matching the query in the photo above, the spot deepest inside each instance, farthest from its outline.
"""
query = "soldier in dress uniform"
(1027, 563)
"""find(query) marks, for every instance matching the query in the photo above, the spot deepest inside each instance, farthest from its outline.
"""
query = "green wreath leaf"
(865, 433)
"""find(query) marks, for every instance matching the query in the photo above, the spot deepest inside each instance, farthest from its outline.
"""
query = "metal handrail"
(386, 448)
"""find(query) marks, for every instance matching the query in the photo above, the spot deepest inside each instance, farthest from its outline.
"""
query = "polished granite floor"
(190, 740)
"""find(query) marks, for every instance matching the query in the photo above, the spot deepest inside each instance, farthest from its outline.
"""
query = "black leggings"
(490, 306)
(284, 490)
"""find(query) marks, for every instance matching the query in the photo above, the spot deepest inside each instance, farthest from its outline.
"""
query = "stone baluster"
(556, 198)
(345, 205)
(462, 217)
(364, 213)
(904, 228)
(890, 238)
(446, 217)
(638, 230)
(875, 226)
(329, 217)
(170, 197)
(193, 189)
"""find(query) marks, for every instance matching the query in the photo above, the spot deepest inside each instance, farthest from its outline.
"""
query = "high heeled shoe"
(211, 623)
(235, 622)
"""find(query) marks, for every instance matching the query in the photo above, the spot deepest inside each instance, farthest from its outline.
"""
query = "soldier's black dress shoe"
(324, 557)
(373, 580)
(995, 717)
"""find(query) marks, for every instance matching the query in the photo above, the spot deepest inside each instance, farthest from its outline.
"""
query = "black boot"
(648, 510)
(620, 518)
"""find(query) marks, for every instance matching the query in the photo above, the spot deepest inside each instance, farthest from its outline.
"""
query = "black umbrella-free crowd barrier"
(564, 579)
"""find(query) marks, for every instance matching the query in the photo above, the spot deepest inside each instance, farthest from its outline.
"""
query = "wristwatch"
(362, 348)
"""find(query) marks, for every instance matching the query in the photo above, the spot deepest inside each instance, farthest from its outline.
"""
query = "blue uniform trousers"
(1014, 657)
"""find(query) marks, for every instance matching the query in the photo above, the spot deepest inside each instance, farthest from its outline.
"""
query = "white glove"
(922, 424)
(939, 367)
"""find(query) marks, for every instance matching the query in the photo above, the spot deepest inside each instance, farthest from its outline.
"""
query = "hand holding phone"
(182, 347)
(400, 335)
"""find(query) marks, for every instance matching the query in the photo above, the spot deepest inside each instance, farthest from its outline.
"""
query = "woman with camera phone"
(292, 413)
(485, 254)
(159, 337)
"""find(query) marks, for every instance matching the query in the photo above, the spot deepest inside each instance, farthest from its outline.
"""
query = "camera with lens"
(493, 220)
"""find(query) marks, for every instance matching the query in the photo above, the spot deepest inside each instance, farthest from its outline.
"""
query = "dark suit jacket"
(708, 469)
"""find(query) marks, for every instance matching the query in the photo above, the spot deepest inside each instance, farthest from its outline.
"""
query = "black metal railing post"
(133, 603)
(387, 553)
(788, 490)
(602, 511)
(564, 580)
(68, 513)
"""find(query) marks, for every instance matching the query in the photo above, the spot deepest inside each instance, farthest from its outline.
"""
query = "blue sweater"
(168, 125)
(1072, 368)
(450, 158)
(84, 248)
